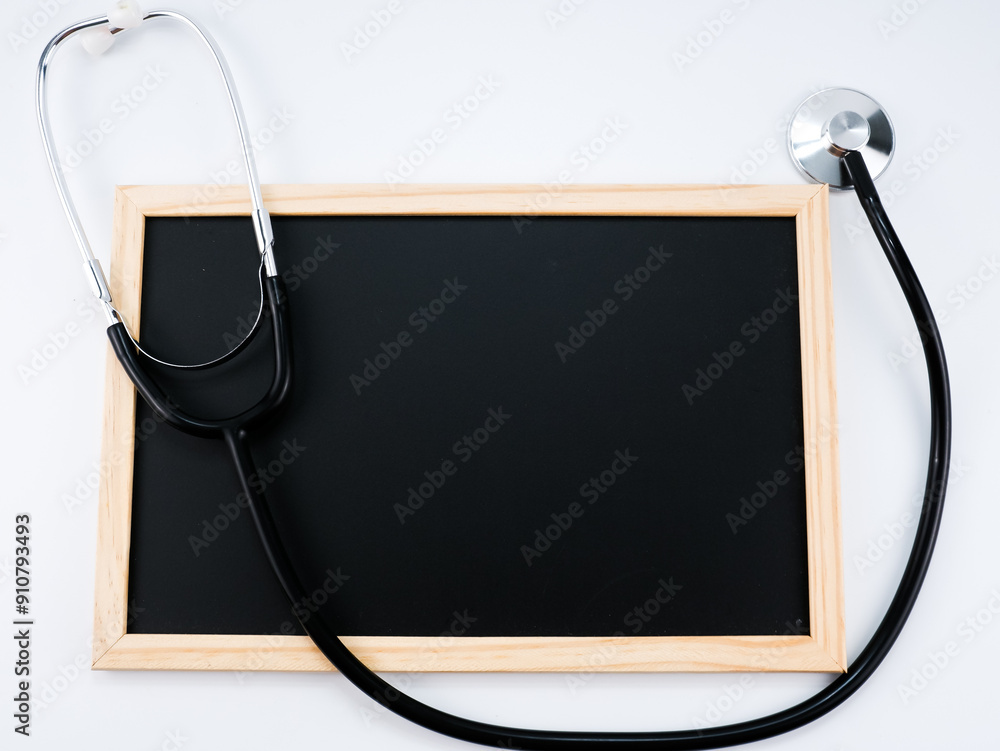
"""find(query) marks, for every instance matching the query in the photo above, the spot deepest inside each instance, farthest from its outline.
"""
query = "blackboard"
(514, 431)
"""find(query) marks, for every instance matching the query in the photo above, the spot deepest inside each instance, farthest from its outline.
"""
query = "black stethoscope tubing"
(234, 431)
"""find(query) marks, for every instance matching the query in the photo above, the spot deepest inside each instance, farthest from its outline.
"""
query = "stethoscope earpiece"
(126, 14)
(833, 122)
(97, 35)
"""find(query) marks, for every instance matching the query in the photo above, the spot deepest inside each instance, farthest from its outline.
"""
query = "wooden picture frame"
(823, 649)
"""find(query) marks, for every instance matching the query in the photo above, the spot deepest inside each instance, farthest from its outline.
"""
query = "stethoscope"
(836, 136)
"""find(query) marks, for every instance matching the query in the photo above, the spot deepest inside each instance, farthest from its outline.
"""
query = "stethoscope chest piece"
(832, 122)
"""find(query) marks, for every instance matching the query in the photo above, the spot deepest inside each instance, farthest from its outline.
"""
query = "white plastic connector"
(125, 15)
(97, 39)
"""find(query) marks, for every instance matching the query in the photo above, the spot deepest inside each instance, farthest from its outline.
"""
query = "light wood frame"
(822, 650)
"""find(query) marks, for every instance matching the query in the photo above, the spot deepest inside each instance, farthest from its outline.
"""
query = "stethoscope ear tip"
(126, 14)
(833, 122)
(97, 40)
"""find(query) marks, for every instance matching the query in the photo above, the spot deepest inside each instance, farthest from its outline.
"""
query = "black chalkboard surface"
(552, 426)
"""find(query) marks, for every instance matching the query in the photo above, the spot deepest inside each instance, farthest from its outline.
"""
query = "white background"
(719, 118)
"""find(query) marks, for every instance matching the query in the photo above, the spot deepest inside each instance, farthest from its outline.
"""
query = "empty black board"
(537, 360)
